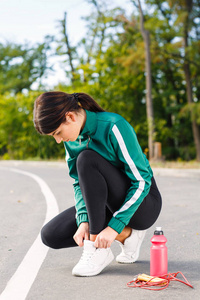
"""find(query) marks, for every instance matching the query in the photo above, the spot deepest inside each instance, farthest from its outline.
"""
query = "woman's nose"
(58, 140)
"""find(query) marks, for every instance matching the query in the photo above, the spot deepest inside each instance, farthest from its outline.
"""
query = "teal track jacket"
(114, 139)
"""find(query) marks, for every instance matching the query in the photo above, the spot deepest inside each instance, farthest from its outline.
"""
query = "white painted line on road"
(22, 280)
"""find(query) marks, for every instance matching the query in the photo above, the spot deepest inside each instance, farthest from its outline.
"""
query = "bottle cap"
(158, 228)
(158, 231)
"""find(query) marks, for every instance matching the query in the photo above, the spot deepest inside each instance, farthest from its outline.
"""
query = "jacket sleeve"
(136, 167)
(81, 212)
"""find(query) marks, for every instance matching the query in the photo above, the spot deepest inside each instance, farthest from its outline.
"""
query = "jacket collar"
(90, 124)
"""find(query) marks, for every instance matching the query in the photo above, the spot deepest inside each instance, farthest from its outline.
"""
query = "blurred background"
(138, 58)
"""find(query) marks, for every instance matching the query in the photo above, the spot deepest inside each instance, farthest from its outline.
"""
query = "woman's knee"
(85, 159)
(47, 237)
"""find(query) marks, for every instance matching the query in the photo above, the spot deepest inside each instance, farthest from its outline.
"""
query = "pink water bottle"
(158, 256)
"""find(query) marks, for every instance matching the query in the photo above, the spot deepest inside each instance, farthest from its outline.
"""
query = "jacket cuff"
(81, 218)
(116, 224)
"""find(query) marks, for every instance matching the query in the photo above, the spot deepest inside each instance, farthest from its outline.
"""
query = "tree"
(149, 102)
(65, 49)
(103, 26)
(22, 65)
(179, 70)
(187, 8)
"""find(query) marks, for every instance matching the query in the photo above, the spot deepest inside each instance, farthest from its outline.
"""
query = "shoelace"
(85, 256)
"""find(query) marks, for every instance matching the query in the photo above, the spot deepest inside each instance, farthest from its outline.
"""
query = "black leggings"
(104, 189)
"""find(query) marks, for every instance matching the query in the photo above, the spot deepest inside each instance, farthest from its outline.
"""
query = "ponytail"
(50, 109)
(87, 102)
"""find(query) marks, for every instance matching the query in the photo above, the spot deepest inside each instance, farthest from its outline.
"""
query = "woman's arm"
(135, 166)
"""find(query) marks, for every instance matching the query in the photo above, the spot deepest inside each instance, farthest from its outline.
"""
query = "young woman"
(116, 197)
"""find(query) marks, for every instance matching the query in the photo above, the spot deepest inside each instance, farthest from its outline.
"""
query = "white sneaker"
(93, 260)
(131, 247)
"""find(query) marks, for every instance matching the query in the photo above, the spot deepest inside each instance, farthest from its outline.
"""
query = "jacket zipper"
(88, 142)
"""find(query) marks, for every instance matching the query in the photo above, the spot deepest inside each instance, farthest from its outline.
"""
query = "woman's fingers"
(105, 238)
(81, 234)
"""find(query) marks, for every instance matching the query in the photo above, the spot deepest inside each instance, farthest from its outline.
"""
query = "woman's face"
(69, 130)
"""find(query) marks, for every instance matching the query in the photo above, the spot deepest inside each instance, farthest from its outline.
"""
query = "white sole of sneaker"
(121, 261)
(108, 260)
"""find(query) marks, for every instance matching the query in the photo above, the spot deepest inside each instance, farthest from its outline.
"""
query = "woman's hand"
(81, 234)
(105, 238)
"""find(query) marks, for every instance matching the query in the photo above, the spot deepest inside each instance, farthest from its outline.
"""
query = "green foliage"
(192, 109)
(22, 65)
(110, 66)
(18, 137)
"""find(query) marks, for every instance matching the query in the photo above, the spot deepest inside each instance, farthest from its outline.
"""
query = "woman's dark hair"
(50, 109)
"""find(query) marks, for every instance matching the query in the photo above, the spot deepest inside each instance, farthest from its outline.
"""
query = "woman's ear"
(70, 117)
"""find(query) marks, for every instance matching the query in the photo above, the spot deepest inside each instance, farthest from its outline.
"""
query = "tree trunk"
(69, 51)
(149, 103)
(195, 127)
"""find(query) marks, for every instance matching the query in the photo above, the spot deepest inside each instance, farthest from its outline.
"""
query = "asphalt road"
(23, 212)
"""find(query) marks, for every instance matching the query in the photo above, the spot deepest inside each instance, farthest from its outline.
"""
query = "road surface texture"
(31, 271)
